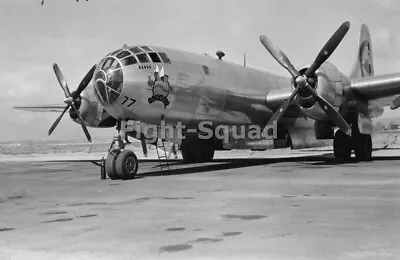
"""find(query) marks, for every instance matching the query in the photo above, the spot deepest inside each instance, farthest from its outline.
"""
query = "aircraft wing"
(43, 108)
(374, 87)
(382, 88)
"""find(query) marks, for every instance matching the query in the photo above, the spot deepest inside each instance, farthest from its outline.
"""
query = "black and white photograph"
(199, 129)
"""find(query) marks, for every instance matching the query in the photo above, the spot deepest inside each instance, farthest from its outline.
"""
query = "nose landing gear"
(120, 163)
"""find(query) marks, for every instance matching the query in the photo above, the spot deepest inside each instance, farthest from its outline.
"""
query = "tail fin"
(364, 65)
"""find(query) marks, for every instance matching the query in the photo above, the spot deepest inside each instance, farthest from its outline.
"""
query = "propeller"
(71, 99)
(306, 82)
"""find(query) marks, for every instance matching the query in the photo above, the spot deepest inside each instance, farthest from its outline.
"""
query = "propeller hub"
(300, 81)
(68, 100)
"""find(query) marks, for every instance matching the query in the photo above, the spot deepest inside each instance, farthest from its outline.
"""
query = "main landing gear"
(195, 150)
(120, 163)
(360, 143)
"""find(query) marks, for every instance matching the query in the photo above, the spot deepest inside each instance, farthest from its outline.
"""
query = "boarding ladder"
(162, 156)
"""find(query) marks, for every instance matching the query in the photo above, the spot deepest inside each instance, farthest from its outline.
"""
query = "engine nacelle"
(330, 83)
(92, 112)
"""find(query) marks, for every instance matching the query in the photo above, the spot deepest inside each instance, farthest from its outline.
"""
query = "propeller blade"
(82, 123)
(85, 81)
(61, 80)
(54, 125)
(279, 56)
(328, 48)
(279, 113)
(336, 118)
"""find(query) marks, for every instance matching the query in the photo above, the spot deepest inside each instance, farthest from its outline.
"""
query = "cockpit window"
(107, 63)
(154, 57)
(146, 48)
(114, 83)
(135, 50)
(115, 52)
(123, 54)
(115, 65)
(128, 61)
(111, 63)
(109, 81)
(143, 58)
(164, 57)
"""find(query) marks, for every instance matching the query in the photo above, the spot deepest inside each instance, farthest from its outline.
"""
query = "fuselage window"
(146, 48)
(135, 50)
(128, 61)
(164, 57)
(143, 58)
(206, 70)
(123, 54)
(154, 57)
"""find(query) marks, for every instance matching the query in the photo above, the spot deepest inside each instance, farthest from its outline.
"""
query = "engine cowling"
(92, 112)
(329, 84)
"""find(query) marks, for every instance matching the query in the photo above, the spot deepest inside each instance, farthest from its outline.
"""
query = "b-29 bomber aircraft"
(152, 85)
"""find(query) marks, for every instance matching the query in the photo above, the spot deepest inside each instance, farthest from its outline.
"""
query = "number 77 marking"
(132, 101)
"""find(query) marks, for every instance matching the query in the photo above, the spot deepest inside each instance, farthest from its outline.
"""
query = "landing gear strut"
(120, 163)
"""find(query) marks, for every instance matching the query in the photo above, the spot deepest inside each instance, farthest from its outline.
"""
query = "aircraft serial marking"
(132, 101)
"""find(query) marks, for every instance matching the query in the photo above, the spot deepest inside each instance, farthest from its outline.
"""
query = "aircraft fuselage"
(199, 87)
(154, 84)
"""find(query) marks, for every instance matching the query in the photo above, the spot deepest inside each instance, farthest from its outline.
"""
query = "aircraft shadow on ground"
(180, 168)
(385, 147)
(224, 164)
(332, 161)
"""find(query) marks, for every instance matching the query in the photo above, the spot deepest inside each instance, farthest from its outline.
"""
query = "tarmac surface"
(283, 207)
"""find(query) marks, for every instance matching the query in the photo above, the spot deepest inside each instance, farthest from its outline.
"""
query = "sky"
(77, 35)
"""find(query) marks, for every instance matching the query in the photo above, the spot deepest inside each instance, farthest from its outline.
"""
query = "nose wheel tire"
(110, 165)
(126, 165)
(363, 147)
(342, 146)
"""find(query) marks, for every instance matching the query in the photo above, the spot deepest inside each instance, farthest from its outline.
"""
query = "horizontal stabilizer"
(43, 108)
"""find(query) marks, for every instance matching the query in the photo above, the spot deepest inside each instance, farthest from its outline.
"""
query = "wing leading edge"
(375, 87)
(43, 108)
